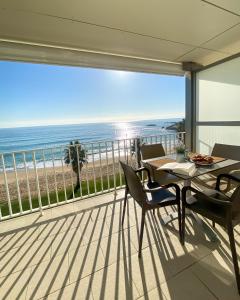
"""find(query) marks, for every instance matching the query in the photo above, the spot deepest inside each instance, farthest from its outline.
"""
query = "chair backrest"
(226, 151)
(133, 183)
(152, 151)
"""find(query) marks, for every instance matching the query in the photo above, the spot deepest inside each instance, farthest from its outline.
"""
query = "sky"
(38, 94)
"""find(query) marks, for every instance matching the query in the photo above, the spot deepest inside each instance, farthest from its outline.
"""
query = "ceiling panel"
(156, 29)
(187, 21)
(203, 56)
(231, 5)
(72, 34)
(228, 42)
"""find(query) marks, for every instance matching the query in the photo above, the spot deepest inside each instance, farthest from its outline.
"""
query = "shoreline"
(21, 173)
(52, 179)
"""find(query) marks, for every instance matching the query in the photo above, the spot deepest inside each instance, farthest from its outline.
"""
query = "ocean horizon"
(38, 137)
(49, 142)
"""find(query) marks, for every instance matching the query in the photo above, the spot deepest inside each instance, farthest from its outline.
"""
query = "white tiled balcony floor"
(80, 251)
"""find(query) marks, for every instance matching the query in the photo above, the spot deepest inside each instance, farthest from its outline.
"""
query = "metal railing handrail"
(90, 142)
(36, 179)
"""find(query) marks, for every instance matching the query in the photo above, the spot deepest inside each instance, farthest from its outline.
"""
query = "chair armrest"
(226, 203)
(144, 169)
(228, 176)
(235, 173)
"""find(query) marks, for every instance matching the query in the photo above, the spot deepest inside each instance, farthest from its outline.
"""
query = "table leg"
(174, 215)
(202, 225)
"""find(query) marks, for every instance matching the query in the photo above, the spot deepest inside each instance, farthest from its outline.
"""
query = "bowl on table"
(202, 160)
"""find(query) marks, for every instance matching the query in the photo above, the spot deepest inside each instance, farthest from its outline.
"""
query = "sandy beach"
(53, 178)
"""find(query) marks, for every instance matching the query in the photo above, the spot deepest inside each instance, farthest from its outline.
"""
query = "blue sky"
(37, 94)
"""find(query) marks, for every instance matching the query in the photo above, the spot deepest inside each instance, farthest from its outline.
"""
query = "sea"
(44, 137)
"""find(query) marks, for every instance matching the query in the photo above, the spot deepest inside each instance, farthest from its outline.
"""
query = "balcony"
(80, 251)
(56, 243)
(61, 248)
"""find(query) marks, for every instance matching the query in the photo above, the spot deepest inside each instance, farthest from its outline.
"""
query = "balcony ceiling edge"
(52, 54)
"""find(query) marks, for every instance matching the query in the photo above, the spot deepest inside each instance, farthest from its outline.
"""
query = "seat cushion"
(162, 196)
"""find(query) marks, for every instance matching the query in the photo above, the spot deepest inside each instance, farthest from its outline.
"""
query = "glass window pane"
(218, 92)
(207, 136)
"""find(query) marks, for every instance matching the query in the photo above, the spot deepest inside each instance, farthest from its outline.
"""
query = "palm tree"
(75, 156)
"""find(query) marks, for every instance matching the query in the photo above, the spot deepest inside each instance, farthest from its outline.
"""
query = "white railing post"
(27, 177)
(55, 176)
(37, 183)
(93, 168)
(114, 174)
(6, 186)
(17, 183)
(100, 163)
(79, 170)
(47, 176)
(63, 176)
(71, 172)
(108, 180)
(87, 179)
(119, 165)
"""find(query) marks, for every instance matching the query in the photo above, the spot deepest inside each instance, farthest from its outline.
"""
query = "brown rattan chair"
(225, 151)
(152, 151)
(218, 207)
(231, 152)
(149, 151)
(149, 198)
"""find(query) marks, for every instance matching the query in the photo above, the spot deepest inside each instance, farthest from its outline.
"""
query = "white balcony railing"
(38, 179)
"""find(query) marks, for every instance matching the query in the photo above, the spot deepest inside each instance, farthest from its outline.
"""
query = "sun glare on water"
(124, 130)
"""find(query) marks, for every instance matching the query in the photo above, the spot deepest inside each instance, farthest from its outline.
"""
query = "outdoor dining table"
(219, 163)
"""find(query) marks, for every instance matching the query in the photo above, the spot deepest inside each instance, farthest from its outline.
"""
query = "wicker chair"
(152, 151)
(231, 152)
(226, 151)
(219, 208)
(149, 151)
(159, 196)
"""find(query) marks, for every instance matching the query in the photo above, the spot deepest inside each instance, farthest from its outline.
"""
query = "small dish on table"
(202, 160)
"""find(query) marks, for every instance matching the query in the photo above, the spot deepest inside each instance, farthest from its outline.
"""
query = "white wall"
(218, 100)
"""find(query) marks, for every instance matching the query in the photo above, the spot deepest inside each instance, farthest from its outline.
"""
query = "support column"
(190, 103)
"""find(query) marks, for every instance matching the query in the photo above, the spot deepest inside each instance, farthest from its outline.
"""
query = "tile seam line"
(220, 7)
(201, 46)
(204, 284)
(104, 26)
(216, 36)
(214, 51)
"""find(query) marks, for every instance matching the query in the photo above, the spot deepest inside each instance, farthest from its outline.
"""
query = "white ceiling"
(173, 30)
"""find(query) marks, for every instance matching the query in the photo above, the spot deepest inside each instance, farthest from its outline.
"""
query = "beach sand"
(53, 179)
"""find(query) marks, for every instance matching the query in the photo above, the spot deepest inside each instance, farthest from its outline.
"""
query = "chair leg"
(141, 233)
(213, 224)
(183, 225)
(179, 222)
(234, 255)
(124, 205)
